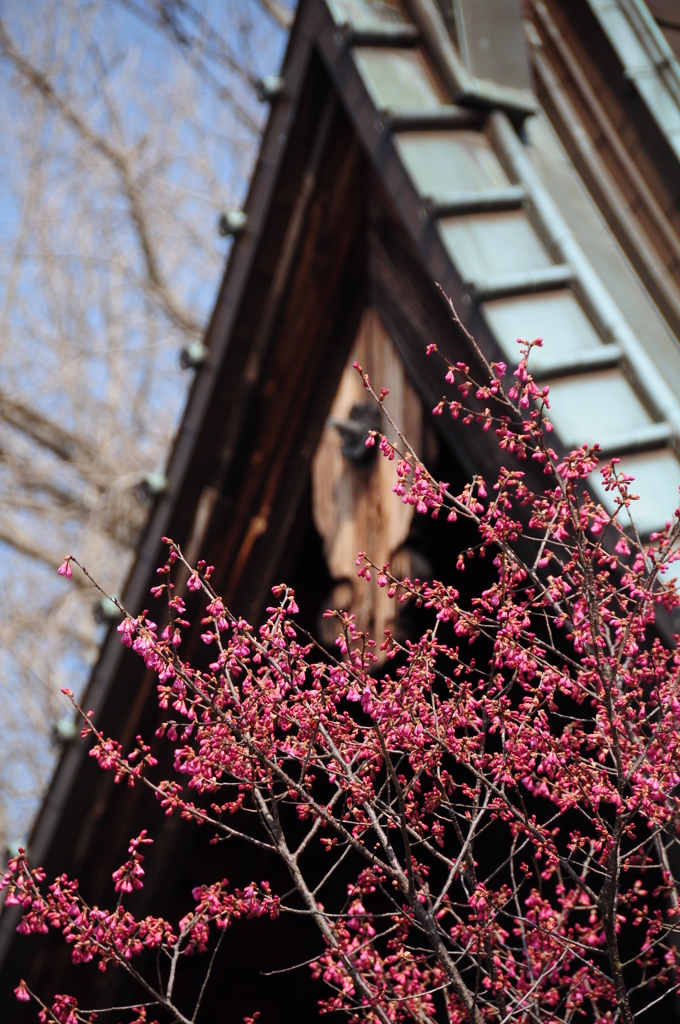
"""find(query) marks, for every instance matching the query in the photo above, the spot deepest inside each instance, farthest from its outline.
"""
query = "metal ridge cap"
(606, 314)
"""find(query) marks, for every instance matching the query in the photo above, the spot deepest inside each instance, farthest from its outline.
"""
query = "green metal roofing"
(542, 260)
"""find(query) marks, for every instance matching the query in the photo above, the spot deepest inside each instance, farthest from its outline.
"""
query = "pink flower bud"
(22, 993)
(65, 570)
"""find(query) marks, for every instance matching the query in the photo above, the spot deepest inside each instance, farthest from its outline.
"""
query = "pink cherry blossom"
(479, 821)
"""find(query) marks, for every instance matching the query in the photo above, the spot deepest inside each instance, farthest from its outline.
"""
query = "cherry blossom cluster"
(115, 937)
(502, 795)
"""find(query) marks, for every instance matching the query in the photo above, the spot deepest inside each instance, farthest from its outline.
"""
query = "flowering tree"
(502, 797)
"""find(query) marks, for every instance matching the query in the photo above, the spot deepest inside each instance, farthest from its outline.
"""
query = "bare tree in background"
(127, 126)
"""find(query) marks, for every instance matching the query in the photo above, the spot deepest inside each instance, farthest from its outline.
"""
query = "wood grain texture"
(353, 504)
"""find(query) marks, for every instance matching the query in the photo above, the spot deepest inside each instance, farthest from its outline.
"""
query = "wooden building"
(525, 158)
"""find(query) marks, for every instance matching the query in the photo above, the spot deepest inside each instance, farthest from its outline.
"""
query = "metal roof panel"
(488, 244)
(444, 162)
(595, 407)
(398, 78)
(556, 317)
